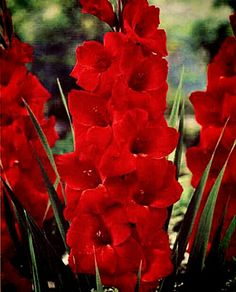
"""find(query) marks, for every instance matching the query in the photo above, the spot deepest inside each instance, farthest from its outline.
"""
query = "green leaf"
(44, 142)
(198, 252)
(173, 119)
(179, 148)
(34, 262)
(178, 156)
(190, 215)
(229, 232)
(55, 202)
(10, 220)
(99, 285)
(138, 283)
(214, 255)
(15, 201)
(63, 98)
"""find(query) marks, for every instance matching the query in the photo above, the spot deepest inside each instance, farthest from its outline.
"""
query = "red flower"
(88, 109)
(124, 99)
(100, 8)
(213, 107)
(93, 61)
(19, 164)
(140, 23)
(118, 181)
(224, 63)
(134, 135)
(78, 174)
(118, 246)
(149, 74)
(142, 186)
(107, 231)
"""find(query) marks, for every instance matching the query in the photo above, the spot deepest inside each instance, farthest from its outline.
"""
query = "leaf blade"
(138, 283)
(190, 215)
(55, 202)
(43, 140)
(172, 121)
(228, 234)
(99, 285)
(63, 98)
(34, 263)
(198, 253)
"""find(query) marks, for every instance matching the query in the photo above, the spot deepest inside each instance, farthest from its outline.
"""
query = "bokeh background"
(195, 30)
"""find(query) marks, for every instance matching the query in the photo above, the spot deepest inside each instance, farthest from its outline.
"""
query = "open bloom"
(140, 23)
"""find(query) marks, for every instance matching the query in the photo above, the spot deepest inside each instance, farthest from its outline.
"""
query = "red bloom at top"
(140, 22)
(100, 8)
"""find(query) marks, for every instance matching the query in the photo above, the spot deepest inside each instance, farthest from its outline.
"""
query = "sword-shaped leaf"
(229, 232)
(190, 215)
(44, 142)
(56, 204)
(198, 252)
(138, 283)
(63, 98)
(33, 257)
(178, 156)
(10, 220)
(173, 119)
(99, 285)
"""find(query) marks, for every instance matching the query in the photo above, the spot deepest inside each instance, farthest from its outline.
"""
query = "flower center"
(103, 236)
(103, 64)
(142, 198)
(138, 81)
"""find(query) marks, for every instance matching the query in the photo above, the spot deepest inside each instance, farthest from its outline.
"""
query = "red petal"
(76, 173)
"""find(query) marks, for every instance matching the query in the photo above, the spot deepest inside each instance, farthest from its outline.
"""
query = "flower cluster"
(212, 109)
(18, 164)
(18, 135)
(118, 180)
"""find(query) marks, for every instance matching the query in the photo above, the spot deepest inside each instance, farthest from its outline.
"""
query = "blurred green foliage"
(231, 3)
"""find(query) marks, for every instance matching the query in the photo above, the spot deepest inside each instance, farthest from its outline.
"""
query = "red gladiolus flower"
(213, 107)
(224, 64)
(108, 232)
(118, 181)
(140, 22)
(93, 60)
(100, 8)
(77, 173)
(133, 135)
(19, 165)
